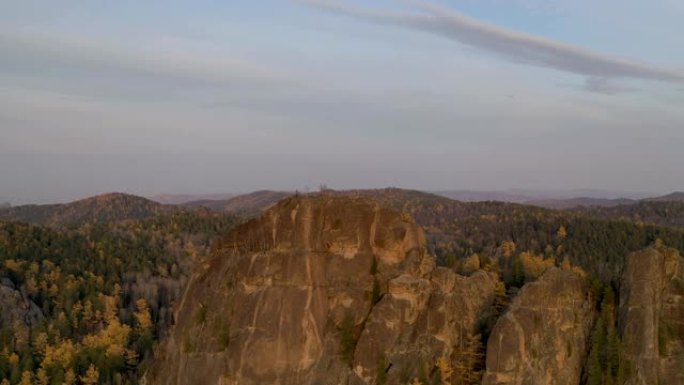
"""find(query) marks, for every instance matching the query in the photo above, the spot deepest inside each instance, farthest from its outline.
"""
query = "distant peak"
(113, 196)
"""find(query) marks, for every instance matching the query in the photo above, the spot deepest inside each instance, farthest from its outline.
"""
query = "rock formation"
(542, 338)
(322, 290)
(17, 313)
(651, 317)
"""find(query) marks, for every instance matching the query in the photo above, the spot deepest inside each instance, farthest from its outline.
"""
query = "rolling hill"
(98, 209)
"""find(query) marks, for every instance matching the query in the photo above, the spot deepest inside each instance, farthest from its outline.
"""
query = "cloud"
(28, 50)
(514, 46)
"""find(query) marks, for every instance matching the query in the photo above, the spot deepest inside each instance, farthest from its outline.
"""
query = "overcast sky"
(232, 96)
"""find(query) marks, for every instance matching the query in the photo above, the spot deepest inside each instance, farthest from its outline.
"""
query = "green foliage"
(603, 362)
(87, 278)
(594, 240)
(593, 368)
(662, 213)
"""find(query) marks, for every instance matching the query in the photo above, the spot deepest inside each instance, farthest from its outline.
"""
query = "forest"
(104, 286)
(104, 291)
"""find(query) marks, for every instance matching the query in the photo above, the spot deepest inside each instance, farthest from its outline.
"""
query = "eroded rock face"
(320, 290)
(652, 317)
(420, 321)
(542, 338)
(18, 314)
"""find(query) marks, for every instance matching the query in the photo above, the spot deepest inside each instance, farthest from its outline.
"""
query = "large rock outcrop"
(17, 313)
(420, 321)
(651, 317)
(542, 338)
(321, 290)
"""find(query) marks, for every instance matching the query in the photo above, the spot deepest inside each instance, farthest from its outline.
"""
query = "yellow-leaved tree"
(91, 377)
(445, 370)
(535, 265)
(42, 377)
(142, 316)
(26, 378)
(69, 377)
(561, 233)
(508, 248)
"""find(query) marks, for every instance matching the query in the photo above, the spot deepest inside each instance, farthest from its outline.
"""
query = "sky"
(233, 96)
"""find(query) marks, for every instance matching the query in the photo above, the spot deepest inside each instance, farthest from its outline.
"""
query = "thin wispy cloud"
(519, 47)
(29, 49)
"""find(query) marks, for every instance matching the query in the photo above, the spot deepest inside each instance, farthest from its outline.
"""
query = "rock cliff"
(322, 290)
(330, 289)
(542, 338)
(651, 317)
(17, 313)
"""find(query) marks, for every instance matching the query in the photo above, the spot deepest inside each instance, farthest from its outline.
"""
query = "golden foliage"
(91, 377)
(445, 370)
(26, 378)
(61, 354)
(42, 377)
(468, 361)
(561, 233)
(142, 315)
(40, 342)
(534, 266)
(113, 338)
(508, 248)
(565, 265)
(471, 264)
(69, 377)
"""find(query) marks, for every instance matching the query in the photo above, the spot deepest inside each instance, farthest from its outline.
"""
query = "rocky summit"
(321, 290)
(341, 290)
(542, 339)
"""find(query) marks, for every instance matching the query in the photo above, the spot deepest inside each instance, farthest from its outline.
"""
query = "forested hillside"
(591, 238)
(655, 212)
(105, 292)
(98, 209)
(89, 289)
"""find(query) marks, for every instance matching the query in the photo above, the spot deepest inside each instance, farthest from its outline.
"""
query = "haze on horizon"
(204, 96)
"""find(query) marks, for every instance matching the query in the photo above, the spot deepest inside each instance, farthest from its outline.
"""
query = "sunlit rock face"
(651, 317)
(542, 339)
(320, 290)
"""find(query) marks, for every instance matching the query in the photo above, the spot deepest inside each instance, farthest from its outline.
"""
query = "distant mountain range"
(247, 204)
(524, 196)
(676, 196)
(177, 199)
(560, 199)
(562, 204)
(120, 206)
